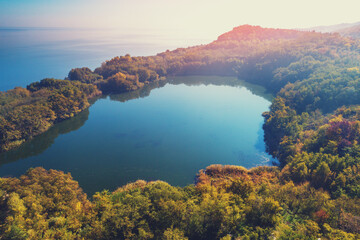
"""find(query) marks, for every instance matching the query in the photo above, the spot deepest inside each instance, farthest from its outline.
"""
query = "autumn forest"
(312, 128)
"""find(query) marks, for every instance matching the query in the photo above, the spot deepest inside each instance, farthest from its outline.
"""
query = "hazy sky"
(193, 16)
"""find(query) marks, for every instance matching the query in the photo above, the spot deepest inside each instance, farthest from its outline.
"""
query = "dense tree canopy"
(25, 113)
(228, 202)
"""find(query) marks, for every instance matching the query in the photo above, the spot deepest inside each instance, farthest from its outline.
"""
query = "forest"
(312, 128)
(27, 112)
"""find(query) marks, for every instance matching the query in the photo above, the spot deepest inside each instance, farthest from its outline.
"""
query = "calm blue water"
(167, 131)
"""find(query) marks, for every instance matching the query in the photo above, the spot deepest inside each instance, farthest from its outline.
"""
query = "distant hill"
(331, 28)
(248, 32)
(345, 29)
(353, 32)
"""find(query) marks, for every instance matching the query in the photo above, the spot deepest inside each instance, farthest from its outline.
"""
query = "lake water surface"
(168, 131)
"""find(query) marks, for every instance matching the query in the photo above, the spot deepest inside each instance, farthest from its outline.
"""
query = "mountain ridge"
(344, 29)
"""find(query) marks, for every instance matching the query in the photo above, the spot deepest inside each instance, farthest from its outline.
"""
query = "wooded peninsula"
(312, 128)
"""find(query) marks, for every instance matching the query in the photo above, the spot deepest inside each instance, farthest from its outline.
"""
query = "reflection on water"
(42, 142)
(193, 81)
(167, 130)
(140, 93)
(222, 81)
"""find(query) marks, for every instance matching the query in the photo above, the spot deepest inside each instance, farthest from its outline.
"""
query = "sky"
(202, 17)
